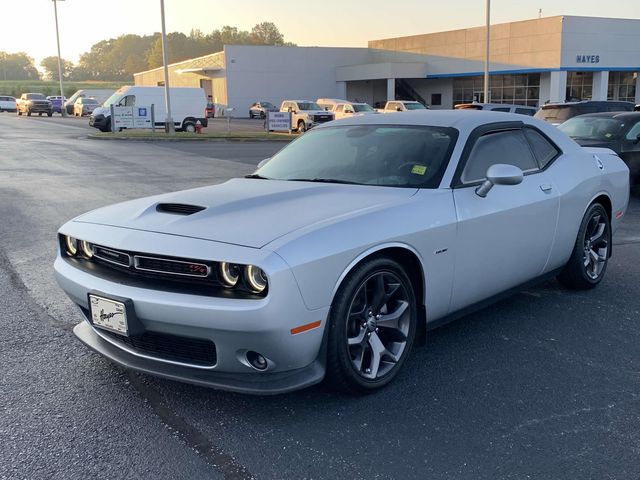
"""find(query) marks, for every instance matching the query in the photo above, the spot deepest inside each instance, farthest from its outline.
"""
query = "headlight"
(85, 249)
(230, 273)
(71, 245)
(256, 278)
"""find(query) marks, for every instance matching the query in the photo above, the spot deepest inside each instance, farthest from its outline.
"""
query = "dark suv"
(556, 113)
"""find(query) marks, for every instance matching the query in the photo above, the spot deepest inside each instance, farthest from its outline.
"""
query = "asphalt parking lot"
(543, 385)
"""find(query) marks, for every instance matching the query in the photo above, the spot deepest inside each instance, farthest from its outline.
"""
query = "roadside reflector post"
(113, 119)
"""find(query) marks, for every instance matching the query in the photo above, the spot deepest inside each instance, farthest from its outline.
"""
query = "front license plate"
(108, 314)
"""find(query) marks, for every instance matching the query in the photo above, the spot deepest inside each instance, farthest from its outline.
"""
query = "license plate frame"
(128, 324)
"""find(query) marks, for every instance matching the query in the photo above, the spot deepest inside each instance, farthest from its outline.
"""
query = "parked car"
(188, 106)
(329, 103)
(305, 114)
(498, 107)
(99, 94)
(210, 110)
(402, 106)
(84, 106)
(347, 109)
(29, 103)
(260, 109)
(556, 113)
(56, 103)
(338, 253)
(615, 130)
(7, 104)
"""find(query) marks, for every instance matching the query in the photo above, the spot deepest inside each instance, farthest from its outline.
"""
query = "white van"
(99, 94)
(188, 106)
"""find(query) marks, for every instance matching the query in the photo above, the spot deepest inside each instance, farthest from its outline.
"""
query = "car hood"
(248, 212)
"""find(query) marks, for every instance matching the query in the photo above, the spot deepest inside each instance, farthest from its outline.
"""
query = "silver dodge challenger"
(341, 251)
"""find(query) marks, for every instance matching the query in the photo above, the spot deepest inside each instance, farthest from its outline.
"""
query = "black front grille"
(178, 208)
(323, 118)
(171, 267)
(112, 256)
(193, 351)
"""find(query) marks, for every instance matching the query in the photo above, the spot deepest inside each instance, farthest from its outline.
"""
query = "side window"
(129, 101)
(508, 146)
(634, 132)
(340, 108)
(543, 149)
(501, 109)
(526, 111)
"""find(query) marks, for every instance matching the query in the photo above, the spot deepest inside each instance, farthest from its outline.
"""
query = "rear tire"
(28, 113)
(372, 326)
(189, 127)
(250, 114)
(262, 115)
(19, 113)
(588, 262)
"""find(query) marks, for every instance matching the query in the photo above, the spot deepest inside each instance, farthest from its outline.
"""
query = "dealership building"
(532, 62)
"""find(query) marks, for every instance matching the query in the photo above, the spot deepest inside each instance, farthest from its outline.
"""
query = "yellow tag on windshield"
(419, 169)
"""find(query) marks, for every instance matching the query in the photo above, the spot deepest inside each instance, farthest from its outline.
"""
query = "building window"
(436, 99)
(622, 86)
(579, 86)
(517, 89)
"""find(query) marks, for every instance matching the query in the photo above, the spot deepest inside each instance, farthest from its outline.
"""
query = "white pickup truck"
(402, 106)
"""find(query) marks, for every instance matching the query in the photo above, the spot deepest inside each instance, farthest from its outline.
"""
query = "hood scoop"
(178, 208)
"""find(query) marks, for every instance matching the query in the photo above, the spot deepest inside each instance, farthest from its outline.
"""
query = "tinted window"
(390, 155)
(501, 109)
(508, 147)
(634, 132)
(542, 148)
(35, 96)
(309, 106)
(414, 106)
(526, 111)
(362, 107)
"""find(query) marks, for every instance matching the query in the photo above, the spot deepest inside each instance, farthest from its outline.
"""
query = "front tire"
(189, 127)
(588, 262)
(372, 326)
(302, 127)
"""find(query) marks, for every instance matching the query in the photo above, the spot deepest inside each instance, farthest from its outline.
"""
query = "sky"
(349, 23)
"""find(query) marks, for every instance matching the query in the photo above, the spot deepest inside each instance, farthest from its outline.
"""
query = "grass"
(15, 88)
(161, 135)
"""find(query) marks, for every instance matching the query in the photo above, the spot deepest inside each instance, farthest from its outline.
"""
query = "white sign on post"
(279, 121)
(131, 117)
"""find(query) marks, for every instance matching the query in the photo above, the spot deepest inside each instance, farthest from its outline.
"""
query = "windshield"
(267, 105)
(309, 106)
(414, 106)
(387, 155)
(90, 101)
(592, 128)
(35, 96)
(113, 99)
(362, 107)
(557, 114)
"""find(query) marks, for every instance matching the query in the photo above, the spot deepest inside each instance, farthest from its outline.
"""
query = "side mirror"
(500, 174)
(262, 162)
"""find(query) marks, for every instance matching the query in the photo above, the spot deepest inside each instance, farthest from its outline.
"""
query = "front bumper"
(268, 383)
(98, 121)
(234, 325)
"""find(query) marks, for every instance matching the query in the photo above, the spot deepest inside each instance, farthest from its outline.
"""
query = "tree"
(17, 66)
(50, 66)
(266, 33)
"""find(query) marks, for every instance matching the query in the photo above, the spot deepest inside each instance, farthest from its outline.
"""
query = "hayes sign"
(587, 58)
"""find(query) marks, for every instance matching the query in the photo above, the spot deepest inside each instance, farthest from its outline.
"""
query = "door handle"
(546, 188)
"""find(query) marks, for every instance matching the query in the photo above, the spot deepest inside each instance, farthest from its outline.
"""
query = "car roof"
(583, 102)
(620, 115)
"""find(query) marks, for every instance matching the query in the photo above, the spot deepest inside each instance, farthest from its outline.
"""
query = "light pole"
(486, 57)
(63, 110)
(169, 127)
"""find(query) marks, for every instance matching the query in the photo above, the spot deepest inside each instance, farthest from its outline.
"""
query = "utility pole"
(63, 110)
(169, 127)
(486, 57)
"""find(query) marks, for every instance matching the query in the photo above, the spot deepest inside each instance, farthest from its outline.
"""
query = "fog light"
(256, 360)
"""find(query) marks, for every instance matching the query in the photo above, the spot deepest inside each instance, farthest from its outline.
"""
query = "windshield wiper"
(256, 175)
(322, 180)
